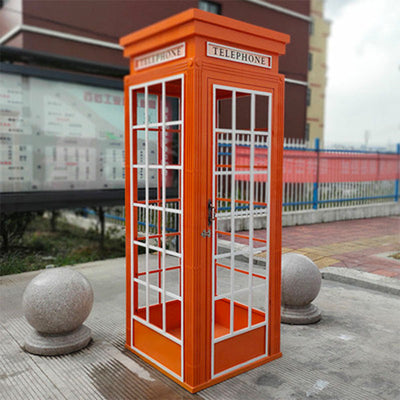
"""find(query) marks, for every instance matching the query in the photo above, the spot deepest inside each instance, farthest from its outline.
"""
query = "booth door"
(240, 227)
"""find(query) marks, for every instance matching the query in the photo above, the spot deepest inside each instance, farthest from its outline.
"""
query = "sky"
(363, 90)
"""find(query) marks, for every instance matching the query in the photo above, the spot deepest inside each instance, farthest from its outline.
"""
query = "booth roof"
(197, 22)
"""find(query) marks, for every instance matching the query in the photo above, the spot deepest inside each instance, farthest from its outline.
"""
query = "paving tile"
(326, 262)
(349, 244)
(386, 272)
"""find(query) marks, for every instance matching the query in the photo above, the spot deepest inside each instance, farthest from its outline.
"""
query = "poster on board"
(59, 136)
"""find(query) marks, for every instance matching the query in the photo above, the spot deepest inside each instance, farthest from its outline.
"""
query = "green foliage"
(67, 245)
(13, 227)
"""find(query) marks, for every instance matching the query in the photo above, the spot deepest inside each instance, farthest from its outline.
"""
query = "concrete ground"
(352, 353)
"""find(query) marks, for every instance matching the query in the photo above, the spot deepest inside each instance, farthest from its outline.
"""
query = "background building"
(317, 69)
(61, 100)
(89, 30)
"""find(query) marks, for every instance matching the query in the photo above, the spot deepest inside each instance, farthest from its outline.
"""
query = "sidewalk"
(363, 244)
(351, 354)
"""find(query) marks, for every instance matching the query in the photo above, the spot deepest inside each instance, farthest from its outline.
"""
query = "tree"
(13, 227)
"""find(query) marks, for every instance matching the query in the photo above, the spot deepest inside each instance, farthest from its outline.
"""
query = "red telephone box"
(204, 142)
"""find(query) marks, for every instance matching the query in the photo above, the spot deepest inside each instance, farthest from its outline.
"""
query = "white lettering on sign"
(160, 56)
(238, 55)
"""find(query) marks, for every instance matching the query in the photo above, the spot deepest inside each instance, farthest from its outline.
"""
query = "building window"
(311, 28)
(310, 60)
(308, 96)
(307, 133)
(210, 6)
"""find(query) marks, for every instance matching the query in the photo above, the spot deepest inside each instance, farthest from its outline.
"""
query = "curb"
(362, 279)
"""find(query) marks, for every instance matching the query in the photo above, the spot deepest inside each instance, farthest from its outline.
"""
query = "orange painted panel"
(222, 317)
(239, 349)
(173, 316)
(158, 347)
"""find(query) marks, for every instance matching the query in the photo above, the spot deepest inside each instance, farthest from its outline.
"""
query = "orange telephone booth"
(204, 142)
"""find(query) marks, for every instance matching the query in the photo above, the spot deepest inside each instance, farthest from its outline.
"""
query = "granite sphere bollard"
(301, 283)
(56, 303)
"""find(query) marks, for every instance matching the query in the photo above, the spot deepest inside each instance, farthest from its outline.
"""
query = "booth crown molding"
(197, 22)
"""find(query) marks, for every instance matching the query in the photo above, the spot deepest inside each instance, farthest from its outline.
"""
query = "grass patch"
(68, 245)
(396, 256)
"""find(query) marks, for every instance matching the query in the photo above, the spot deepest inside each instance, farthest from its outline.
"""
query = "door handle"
(211, 212)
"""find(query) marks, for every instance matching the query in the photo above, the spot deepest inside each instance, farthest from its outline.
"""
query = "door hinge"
(206, 233)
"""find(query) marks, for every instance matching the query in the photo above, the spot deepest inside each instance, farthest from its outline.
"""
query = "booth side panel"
(189, 239)
(196, 307)
(276, 218)
(207, 136)
(128, 243)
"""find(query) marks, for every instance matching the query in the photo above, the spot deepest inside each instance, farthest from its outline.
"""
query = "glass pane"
(172, 182)
(224, 236)
(259, 302)
(243, 112)
(152, 151)
(242, 156)
(155, 276)
(173, 94)
(153, 225)
(140, 216)
(262, 113)
(172, 225)
(261, 153)
(154, 267)
(222, 284)
(241, 308)
(155, 308)
(240, 279)
(141, 300)
(153, 105)
(140, 138)
(154, 299)
(172, 277)
(224, 108)
(173, 145)
(173, 316)
(153, 178)
(222, 317)
(258, 280)
(152, 110)
(137, 106)
(154, 142)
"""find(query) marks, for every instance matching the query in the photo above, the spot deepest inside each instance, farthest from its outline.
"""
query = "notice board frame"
(56, 199)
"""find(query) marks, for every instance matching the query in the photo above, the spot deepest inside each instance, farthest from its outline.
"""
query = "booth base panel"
(211, 382)
(157, 347)
(233, 355)
(237, 350)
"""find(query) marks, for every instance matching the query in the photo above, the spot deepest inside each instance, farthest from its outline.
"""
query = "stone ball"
(57, 300)
(301, 280)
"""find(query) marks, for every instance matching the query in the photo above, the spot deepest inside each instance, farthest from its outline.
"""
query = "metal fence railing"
(316, 178)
